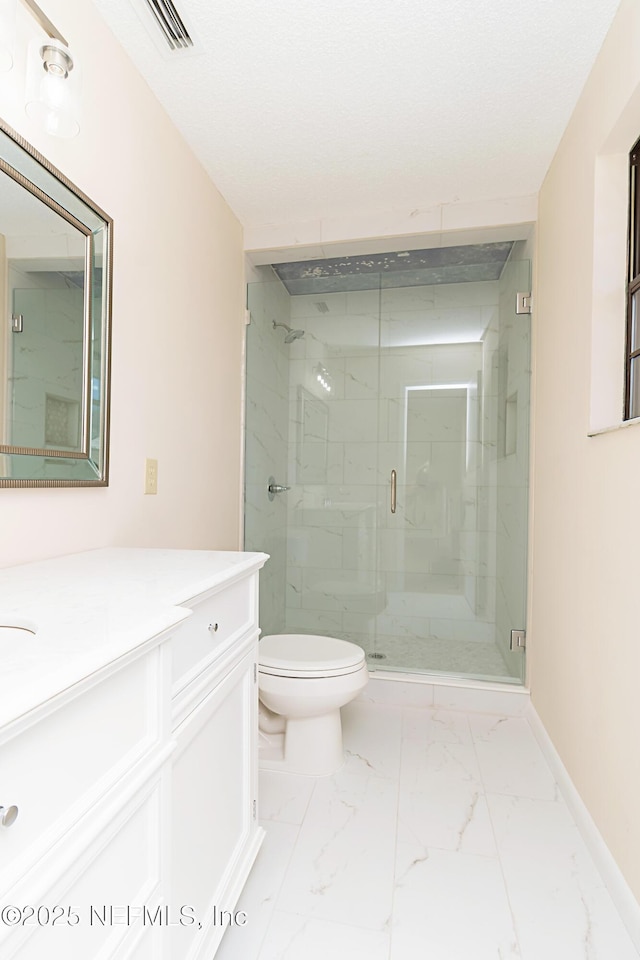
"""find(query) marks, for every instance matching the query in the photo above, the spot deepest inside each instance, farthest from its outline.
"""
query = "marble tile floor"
(443, 837)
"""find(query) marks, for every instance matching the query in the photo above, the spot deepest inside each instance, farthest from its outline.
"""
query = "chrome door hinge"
(523, 302)
(518, 640)
(255, 809)
(17, 322)
(247, 317)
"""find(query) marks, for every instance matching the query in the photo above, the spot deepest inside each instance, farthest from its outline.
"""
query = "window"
(632, 349)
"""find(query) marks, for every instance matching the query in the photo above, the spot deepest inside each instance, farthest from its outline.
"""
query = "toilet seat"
(307, 655)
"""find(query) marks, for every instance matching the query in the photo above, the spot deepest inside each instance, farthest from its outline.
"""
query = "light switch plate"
(151, 476)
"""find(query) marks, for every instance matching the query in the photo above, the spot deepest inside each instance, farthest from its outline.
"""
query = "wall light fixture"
(53, 76)
(53, 91)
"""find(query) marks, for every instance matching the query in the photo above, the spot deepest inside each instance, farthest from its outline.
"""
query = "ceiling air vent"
(170, 23)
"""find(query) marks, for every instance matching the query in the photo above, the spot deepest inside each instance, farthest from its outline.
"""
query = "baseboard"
(624, 900)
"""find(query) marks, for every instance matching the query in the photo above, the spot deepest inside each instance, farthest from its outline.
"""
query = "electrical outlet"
(151, 476)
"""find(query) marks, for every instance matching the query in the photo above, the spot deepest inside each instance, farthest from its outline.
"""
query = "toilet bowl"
(303, 682)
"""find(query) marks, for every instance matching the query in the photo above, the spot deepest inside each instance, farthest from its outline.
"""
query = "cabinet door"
(103, 905)
(59, 768)
(212, 808)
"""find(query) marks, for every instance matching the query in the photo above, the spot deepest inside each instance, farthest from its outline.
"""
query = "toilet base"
(311, 746)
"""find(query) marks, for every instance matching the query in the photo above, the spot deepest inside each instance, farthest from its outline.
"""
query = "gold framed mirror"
(55, 286)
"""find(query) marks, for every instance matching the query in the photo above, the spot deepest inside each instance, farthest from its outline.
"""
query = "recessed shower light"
(323, 377)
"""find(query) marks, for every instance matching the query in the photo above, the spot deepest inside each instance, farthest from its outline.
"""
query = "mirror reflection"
(54, 283)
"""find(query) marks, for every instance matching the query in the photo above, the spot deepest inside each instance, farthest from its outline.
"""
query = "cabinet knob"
(213, 627)
(8, 815)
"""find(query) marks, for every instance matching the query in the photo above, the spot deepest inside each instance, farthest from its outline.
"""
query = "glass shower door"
(453, 442)
(427, 379)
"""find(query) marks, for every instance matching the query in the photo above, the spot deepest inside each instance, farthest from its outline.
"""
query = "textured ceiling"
(301, 111)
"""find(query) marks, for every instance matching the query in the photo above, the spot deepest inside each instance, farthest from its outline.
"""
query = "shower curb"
(428, 690)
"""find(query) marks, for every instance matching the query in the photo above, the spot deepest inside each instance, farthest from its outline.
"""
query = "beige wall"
(177, 329)
(585, 631)
(177, 320)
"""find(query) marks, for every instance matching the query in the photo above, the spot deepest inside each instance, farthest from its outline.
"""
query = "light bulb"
(53, 88)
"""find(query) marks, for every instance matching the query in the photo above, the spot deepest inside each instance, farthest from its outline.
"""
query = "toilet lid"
(307, 655)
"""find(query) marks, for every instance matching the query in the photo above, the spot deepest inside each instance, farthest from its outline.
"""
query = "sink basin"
(15, 633)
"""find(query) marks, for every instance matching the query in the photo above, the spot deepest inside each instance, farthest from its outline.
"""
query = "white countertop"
(88, 609)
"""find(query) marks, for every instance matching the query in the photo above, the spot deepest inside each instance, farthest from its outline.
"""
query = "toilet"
(303, 680)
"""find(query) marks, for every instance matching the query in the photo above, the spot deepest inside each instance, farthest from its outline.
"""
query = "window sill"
(623, 425)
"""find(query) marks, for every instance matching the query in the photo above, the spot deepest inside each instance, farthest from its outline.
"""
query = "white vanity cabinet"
(135, 783)
(214, 834)
(85, 771)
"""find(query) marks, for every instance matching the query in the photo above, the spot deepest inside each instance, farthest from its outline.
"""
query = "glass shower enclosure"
(394, 409)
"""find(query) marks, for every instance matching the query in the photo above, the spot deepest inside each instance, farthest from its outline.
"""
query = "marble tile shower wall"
(353, 569)
(45, 409)
(266, 442)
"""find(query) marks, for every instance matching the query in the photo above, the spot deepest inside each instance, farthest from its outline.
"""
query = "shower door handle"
(394, 477)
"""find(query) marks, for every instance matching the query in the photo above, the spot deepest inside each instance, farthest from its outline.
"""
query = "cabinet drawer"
(217, 620)
(57, 768)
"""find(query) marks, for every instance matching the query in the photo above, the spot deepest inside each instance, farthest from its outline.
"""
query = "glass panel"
(266, 450)
(312, 389)
(46, 380)
(635, 326)
(453, 423)
(430, 380)
(634, 388)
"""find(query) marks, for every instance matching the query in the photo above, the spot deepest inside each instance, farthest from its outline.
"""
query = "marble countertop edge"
(91, 609)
